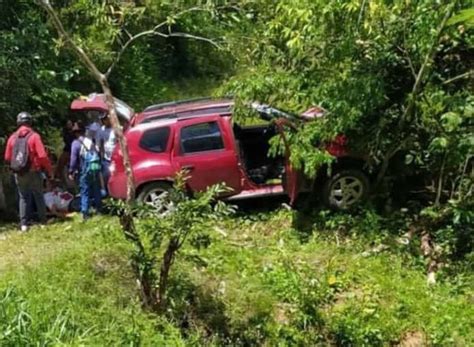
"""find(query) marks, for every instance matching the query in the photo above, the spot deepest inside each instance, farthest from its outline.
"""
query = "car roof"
(151, 125)
(186, 109)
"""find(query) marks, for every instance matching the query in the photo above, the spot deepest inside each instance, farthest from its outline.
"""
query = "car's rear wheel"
(156, 195)
(345, 190)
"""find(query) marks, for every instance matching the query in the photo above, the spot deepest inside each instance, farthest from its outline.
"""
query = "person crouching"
(58, 202)
(85, 162)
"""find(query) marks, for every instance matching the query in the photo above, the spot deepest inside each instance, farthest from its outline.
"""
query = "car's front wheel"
(156, 195)
(345, 189)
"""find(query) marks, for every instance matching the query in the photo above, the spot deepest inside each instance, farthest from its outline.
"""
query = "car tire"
(154, 194)
(345, 190)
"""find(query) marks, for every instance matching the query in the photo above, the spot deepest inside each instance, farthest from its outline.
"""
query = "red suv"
(201, 136)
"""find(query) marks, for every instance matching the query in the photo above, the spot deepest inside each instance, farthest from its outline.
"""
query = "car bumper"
(118, 186)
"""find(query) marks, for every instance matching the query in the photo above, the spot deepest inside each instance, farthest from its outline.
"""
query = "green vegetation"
(71, 283)
(258, 282)
(163, 229)
(397, 79)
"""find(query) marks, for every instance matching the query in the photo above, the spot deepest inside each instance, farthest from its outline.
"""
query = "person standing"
(93, 126)
(28, 159)
(85, 161)
(108, 142)
(63, 161)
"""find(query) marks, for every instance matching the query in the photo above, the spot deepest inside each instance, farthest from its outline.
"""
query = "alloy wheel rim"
(346, 191)
(158, 199)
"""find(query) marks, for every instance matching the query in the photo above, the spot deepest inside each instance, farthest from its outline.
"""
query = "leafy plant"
(163, 234)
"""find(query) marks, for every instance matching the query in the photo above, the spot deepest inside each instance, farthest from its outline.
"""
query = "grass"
(259, 282)
(70, 283)
(281, 289)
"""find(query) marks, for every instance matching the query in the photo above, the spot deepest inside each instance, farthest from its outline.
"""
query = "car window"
(155, 140)
(201, 137)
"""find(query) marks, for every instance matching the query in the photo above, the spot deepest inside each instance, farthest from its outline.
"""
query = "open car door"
(96, 102)
(292, 178)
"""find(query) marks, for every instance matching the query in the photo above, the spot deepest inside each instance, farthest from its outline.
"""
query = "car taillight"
(116, 164)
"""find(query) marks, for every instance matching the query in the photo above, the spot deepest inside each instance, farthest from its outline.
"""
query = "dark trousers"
(89, 185)
(30, 190)
(106, 174)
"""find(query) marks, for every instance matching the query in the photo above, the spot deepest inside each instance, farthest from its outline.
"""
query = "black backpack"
(20, 162)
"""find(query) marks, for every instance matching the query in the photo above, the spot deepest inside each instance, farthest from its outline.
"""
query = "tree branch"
(189, 36)
(63, 34)
(155, 31)
(410, 62)
(415, 91)
(458, 77)
(361, 12)
(124, 48)
(423, 69)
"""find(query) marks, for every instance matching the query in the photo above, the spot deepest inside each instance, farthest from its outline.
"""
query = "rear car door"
(97, 102)
(204, 146)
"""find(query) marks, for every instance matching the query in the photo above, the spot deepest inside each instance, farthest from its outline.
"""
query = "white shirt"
(87, 145)
(107, 136)
(58, 200)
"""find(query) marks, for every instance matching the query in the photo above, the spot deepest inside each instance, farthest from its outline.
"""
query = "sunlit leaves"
(359, 60)
(465, 16)
(451, 121)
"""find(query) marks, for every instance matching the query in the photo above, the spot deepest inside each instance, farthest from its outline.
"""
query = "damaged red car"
(202, 137)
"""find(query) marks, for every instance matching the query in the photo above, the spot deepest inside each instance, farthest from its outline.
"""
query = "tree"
(186, 220)
(396, 78)
(32, 78)
(126, 216)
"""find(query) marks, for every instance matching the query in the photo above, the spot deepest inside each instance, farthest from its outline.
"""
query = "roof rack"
(221, 110)
(175, 103)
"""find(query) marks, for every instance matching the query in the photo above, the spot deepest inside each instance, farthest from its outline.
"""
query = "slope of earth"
(259, 282)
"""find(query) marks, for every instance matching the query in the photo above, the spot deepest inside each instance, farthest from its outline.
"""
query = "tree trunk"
(120, 138)
(145, 278)
(102, 79)
(166, 263)
(141, 264)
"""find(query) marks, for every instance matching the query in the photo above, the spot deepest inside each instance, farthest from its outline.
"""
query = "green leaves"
(451, 121)
(465, 16)
(162, 232)
(360, 61)
(439, 143)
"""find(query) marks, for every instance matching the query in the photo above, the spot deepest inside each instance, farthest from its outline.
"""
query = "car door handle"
(187, 167)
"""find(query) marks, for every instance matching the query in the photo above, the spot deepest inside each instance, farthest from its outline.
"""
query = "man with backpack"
(28, 159)
(85, 161)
